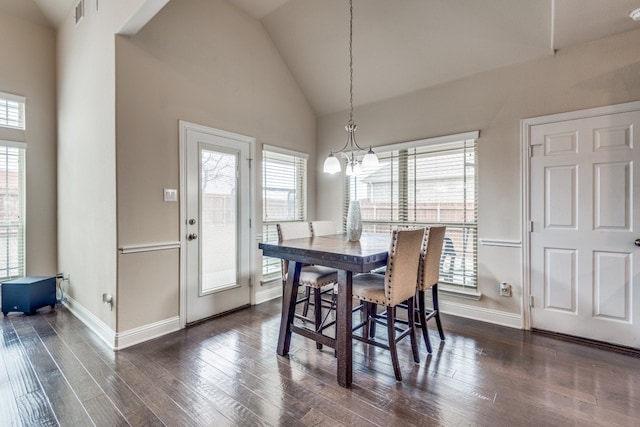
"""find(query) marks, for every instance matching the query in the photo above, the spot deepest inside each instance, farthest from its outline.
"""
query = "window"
(11, 210)
(284, 198)
(12, 111)
(422, 183)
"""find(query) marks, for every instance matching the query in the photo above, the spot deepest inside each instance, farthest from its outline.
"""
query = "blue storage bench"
(28, 294)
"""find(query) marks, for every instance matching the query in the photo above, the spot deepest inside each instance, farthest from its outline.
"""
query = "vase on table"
(354, 221)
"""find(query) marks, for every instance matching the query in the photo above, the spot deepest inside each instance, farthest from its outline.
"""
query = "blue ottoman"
(28, 294)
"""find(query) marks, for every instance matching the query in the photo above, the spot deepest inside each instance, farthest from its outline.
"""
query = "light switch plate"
(170, 195)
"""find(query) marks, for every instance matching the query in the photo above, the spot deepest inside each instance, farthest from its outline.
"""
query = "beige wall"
(205, 62)
(599, 73)
(28, 68)
(87, 226)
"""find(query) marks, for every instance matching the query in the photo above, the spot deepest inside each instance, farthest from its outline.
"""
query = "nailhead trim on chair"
(387, 276)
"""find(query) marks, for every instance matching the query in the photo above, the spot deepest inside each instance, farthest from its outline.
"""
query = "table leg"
(288, 307)
(344, 328)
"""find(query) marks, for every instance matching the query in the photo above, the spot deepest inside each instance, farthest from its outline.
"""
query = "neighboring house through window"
(284, 197)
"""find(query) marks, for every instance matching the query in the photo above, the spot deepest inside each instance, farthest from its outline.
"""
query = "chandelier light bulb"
(349, 170)
(331, 164)
(370, 160)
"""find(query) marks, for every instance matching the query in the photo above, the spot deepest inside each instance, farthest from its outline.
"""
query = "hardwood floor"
(54, 371)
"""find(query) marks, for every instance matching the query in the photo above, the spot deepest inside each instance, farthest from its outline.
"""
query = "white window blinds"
(12, 227)
(426, 183)
(284, 198)
(12, 114)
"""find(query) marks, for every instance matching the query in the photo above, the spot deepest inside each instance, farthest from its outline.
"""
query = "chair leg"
(366, 307)
(423, 320)
(373, 311)
(305, 308)
(436, 308)
(317, 312)
(391, 331)
(412, 334)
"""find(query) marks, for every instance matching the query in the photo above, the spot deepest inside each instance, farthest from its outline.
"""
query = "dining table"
(349, 258)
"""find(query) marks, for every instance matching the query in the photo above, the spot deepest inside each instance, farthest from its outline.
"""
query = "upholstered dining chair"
(396, 286)
(428, 276)
(323, 228)
(428, 279)
(314, 277)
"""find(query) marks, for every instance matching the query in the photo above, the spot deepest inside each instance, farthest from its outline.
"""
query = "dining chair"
(428, 279)
(323, 228)
(314, 277)
(396, 286)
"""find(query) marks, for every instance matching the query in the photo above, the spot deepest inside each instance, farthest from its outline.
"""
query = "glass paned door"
(218, 209)
(217, 222)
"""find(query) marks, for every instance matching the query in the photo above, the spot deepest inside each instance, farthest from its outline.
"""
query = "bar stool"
(428, 279)
(396, 286)
(314, 277)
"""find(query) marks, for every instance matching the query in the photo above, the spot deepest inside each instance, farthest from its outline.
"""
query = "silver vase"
(354, 221)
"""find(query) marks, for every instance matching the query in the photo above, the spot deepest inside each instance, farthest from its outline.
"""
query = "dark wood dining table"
(335, 251)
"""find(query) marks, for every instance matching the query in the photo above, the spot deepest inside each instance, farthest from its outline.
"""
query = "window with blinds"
(12, 111)
(12, 227)
(423, 183)
(284, 198)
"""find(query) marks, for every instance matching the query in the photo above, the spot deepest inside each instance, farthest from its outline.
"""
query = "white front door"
(217, 221)
(585, 213)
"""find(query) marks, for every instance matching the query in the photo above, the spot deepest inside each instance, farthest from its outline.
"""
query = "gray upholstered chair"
(314, 277)
(396, 286)
(428, 279)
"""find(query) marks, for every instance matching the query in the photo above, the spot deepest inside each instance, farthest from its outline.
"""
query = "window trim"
(399, 146)
(285, 151)
(10, 97)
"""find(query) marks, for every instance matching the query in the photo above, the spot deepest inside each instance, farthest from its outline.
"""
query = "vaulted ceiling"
(400, 46)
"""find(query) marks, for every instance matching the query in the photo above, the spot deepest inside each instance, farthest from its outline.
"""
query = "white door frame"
(184, 127)
(525, 132)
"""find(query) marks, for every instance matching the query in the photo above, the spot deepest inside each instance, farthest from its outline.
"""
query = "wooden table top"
(333, 251)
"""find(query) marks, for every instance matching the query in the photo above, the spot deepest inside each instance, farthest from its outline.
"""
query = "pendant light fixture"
(351, 149)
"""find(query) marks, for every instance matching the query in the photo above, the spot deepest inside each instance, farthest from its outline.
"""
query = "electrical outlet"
(505, 289)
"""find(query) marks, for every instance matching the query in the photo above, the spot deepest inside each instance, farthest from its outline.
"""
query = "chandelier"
(351, 149)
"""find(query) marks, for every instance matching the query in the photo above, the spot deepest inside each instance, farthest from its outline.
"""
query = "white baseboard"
(147, 332)
(120, 340)
(101, 329)
(264, 295)
(488, 315)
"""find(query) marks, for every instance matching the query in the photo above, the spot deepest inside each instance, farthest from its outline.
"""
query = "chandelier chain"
(351, 61)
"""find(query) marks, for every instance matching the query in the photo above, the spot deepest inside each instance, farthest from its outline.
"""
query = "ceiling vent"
(79, 11)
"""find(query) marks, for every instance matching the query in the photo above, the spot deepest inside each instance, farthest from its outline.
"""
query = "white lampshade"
(331, 164)
(349, 170)
(370, 160)
(357, 169)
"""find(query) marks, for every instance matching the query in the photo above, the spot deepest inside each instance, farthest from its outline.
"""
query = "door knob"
(637, 242)
(192, 236)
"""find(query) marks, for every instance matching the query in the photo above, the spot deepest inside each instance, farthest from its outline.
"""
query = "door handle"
(637, 242)
(192, 236)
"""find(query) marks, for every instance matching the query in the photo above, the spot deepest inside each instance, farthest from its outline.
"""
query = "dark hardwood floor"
(54, 371)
